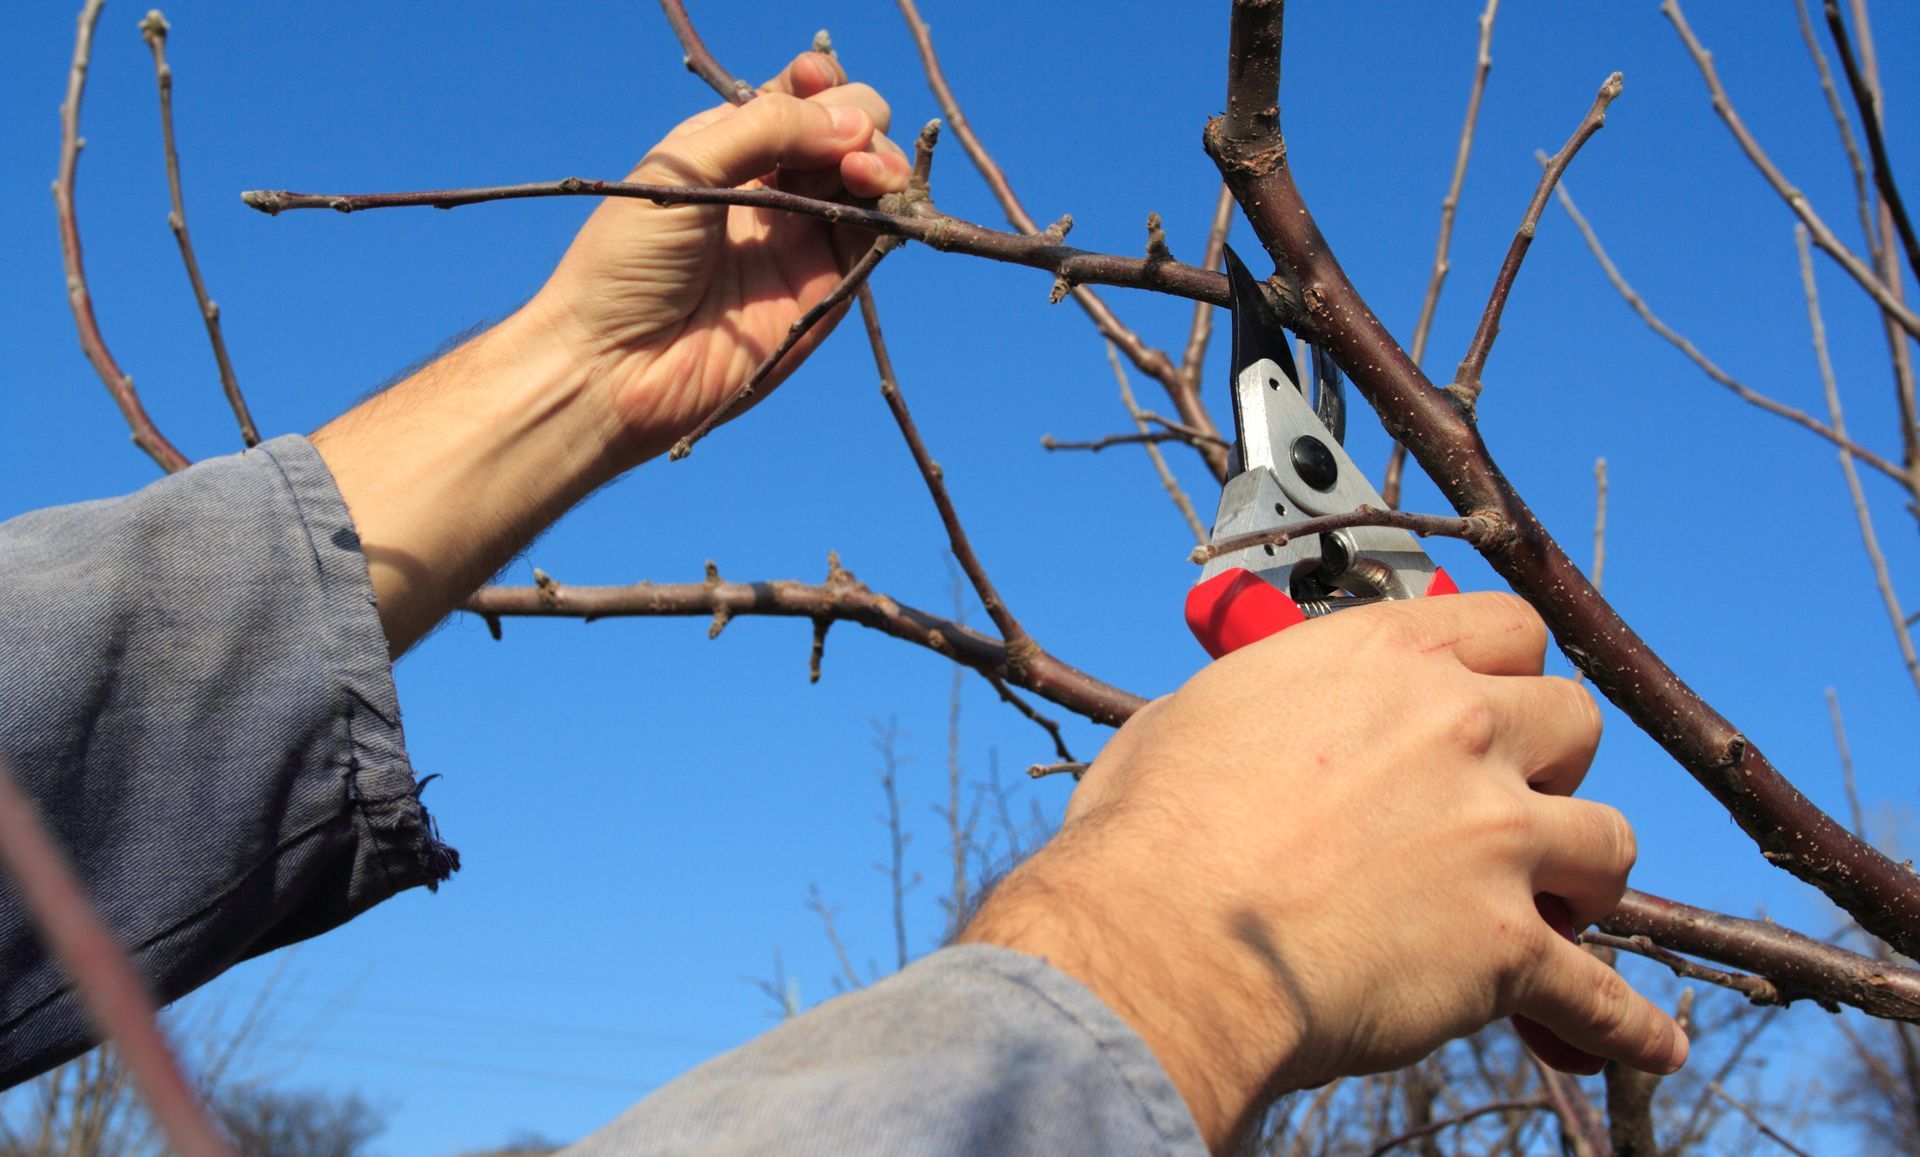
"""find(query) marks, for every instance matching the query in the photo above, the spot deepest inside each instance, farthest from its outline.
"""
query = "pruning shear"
(1287, 465)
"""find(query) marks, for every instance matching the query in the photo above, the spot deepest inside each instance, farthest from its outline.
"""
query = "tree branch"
(1868, 101)
(1152, 362)
(1140, 418)
(1882, 577)
(1522, 1105)
(1019, 646)
(915, 223)
(1479, 529)
(1792, 833)
(154, 30)
(1482, 65)
(110, 989)
(1707, 366)
(146, 435)
(1795, 199)
(850, 284)
(1466, 382)
(842, 598)
(1200, 331)
(1798, 966)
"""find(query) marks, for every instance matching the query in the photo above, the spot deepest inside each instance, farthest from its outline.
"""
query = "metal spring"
(1314, 608)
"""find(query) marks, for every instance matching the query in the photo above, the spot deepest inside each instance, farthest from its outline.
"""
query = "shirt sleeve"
(195, 691)
(974, 1049)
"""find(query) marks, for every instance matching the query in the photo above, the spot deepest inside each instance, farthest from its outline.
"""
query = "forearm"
(454, 470)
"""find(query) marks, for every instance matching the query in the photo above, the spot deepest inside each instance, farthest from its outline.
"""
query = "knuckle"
(1583, 708)
(1618, 835)
(1471, 722)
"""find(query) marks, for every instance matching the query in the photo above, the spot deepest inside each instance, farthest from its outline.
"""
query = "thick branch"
(146, 435)
(1792, 833)
(922, 224)
(1797, 965)
(1467, 380)
(1795, 199)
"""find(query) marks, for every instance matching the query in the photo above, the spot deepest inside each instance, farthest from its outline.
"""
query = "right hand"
(1320, 856)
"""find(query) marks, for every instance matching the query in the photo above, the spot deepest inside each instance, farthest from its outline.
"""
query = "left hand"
(672, 307)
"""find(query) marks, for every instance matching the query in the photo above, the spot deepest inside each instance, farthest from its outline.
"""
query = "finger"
(1550, 729)
(1490, 632)
(1587, 851)
(860, 96)
(1544, 1043)
(1592, 1008)
(774, 131)
(806, 74)
(874, 174)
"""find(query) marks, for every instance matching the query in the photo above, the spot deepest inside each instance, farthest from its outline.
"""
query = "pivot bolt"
(1314, 463)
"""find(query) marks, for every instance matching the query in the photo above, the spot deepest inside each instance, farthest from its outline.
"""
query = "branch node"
(1042, 770)
(1061, 287)
(1157, 250)
(820, 626)
(1059, 229)
(823, 44)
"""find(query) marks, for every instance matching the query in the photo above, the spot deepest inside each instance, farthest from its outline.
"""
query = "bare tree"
(1768, 965)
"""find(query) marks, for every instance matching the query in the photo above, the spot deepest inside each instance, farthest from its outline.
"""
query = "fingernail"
(846, 121)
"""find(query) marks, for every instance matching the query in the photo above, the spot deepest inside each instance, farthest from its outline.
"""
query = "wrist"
(453, 470)
(1218, 1032)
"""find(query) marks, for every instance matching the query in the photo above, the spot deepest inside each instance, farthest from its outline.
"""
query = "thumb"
(772, 131)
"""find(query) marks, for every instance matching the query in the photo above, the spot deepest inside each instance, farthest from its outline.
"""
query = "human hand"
(1320, 856)
(672, 307)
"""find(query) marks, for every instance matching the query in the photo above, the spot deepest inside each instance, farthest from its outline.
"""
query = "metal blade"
(1257, 335)
(1330, 395)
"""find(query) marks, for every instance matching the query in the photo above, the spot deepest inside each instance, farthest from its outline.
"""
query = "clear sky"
(641, 811)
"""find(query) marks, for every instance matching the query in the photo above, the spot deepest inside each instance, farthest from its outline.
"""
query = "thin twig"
(699, 61)
(1565, 1100)
(850, 284)
(929, 227)
(1151, 439)
(112, 991)
(1466, 383)
(1795, 199)
(817, 904)
(154, 30)
(1151, 361)
(1756, 989)
(1046, 723)
(1845, 752)
(1148, 437)
(1019, 645)
(1482, 65)
(1754, 1119)
(1867, 98)
(1200, 331)
(1707, 366)
(1477, 529)
(146, 435)
(1070, 767)
(1521, 1105)
(1843, 124)
(1883, 578)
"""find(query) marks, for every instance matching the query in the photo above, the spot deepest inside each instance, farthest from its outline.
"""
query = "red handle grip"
(1237, 607)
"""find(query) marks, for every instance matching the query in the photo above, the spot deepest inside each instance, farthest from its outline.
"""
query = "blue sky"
(641, 811)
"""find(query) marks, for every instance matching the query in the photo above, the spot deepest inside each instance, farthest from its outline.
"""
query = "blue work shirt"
(194, 689)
